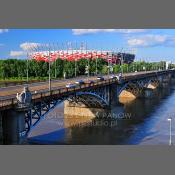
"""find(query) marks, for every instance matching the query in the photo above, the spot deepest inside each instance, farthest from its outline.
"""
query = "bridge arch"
(90, 99)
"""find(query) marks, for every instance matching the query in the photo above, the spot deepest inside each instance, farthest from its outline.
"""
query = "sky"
(147, 44)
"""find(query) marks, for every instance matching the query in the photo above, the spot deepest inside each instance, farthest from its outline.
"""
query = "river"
(136, 122)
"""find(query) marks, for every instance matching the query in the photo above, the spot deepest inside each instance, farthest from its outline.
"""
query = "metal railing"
(11, 101)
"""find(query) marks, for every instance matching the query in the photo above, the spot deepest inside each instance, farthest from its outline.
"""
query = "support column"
(147, 93)
(13, 120)
(113, 93)
(78, 113)
(166, 81)
(172, 78)
(1, 133)
(13, 126)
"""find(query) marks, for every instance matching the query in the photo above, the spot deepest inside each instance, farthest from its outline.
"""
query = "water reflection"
(140, 121)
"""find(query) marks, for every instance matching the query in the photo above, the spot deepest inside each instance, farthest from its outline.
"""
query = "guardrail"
(7, 103)
(10, 102)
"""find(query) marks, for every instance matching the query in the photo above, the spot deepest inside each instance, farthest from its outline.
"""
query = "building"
(75, 55)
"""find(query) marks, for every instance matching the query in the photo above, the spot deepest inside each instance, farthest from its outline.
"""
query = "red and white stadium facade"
(75, 55)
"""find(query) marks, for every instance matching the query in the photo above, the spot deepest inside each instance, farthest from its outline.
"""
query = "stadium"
(75, 55)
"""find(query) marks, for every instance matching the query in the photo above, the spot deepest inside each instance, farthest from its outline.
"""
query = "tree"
(116, 68)
(81, 66)
(69, 68)
(104, 69)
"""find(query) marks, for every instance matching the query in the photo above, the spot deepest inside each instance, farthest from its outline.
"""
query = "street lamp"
(28, 64)
(87, 60)
(27, 68)
(121, 62)
(49, 69)
(170, 131)
(108, 62)
(55, 59)
(96, 64)
(75, 58)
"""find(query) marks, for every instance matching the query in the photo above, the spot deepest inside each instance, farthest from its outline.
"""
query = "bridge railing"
(13, 101)
(5, 103)
(61, 91)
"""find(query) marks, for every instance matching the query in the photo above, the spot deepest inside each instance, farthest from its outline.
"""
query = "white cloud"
(28, 46)
(151, 41)
(17, 53)
(131, 30)
(3, 30)
(91, 31)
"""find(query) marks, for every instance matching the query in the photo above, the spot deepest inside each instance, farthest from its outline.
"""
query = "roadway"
(11, 91)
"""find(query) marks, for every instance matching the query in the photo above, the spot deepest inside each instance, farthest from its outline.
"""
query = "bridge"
(16, 121)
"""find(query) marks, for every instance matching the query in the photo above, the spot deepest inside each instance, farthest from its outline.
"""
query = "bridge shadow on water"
(127, 123)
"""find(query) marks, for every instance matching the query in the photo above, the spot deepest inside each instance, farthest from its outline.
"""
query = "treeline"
(17, 69)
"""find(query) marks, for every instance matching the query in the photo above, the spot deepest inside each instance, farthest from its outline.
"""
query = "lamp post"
(55, 59)
(28, 64)
(96, 71)
(170, 131)
(75, 58)
(87, 59)
(121, 63)
(49, 71)
(27, 67)
(108, 63)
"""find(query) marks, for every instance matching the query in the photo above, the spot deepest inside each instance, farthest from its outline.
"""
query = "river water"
(136, 122)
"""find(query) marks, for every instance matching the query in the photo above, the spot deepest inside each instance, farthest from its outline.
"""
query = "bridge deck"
(8, 99)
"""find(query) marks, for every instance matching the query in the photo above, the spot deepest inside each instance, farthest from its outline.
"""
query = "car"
(80, 82)
(90, 82)
(112, 77)
(69, 85)
(119, 76)
(100, 78)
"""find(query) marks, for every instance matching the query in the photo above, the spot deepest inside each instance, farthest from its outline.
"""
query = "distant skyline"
(148, 44)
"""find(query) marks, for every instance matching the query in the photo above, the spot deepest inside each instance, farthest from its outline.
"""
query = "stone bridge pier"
(12, 126)
(166, 80)
(13, 120)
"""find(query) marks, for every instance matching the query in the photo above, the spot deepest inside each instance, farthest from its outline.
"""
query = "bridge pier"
(81, 110)
(13, 126)
(113, 94)
(166, 81)
(1, 133)
(172, 79)
(167, 78)
(78, 113)
(147, 93)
